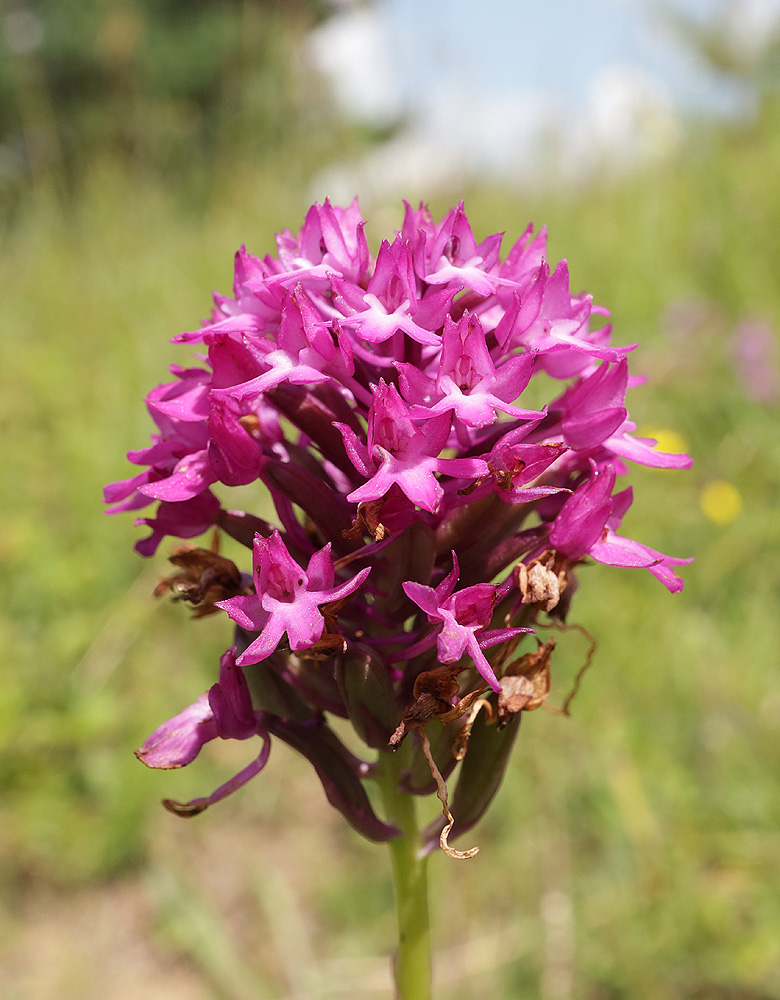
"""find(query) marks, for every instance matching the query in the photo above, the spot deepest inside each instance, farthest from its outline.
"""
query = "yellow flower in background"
(720, 501)
(668, 440)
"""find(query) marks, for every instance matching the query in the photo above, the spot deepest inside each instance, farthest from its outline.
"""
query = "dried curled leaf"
(441, 792)
(461, 744)
(367, 520)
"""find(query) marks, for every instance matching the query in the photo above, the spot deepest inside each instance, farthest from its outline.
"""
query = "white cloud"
(627, 116)
(351, 49)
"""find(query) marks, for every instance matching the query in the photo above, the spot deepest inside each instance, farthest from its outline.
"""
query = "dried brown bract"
(526, 683)
(543, 581)
(204, 578)
(434, 691)
(367, 519)
(331, 638)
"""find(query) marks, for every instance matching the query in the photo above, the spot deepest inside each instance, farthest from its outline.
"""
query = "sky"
(558, 44)
(482, 85)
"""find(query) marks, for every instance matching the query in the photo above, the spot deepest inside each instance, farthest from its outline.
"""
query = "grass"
(634, 849)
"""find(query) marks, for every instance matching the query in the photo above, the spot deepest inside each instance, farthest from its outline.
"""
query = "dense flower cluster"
(425, 515)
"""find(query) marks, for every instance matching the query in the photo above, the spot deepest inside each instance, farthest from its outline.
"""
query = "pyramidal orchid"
(429, 519)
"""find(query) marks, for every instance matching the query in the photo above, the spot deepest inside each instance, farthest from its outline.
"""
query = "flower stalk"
(412, 962)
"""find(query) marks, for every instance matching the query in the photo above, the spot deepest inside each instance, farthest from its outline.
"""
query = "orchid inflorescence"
(426, 518)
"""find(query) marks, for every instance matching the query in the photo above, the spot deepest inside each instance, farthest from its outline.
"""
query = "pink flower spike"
(376, 405)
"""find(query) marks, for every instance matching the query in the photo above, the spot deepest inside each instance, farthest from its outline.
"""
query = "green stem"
(412, 964)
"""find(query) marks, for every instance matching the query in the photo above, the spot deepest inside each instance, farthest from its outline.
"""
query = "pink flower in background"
(754, 346)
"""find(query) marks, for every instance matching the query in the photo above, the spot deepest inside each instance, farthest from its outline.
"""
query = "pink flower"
(179, 468)
(586, 526)
(464, 616)
(468, 383)
(397, 452)
(287, 598)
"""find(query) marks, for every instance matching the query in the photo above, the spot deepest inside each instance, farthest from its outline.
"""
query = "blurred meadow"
(634, 850)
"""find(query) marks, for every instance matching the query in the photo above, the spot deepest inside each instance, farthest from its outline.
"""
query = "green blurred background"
(634, 851)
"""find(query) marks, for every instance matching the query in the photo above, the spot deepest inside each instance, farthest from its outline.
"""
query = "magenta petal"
(123, 488)
(195, 806)
(513, 377)
(231, 702)
(482, 665)
(343, 589)
(303, 622)
(613, 550)
(356, 450)
(264, 644)
(641, 452)
(246, 611)
(320, 569)
(492, 637)
(468, 468)
(583, 517)
(452, 640)
(445, 589)
(178, 741)
(191, 476)
(673, 583)
(424, 597)
(587, 430)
